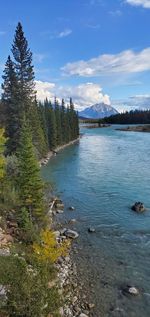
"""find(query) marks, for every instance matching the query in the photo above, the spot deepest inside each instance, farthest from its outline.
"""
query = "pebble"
(71, 208)
(91, 230)
(91, 306)
(131, 290)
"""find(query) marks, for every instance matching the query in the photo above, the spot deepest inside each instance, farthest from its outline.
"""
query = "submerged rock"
(71, 234)
(71, 208)
(138, 207)
(72, 221)
(130, 290)
(59, 211)
(91, 230)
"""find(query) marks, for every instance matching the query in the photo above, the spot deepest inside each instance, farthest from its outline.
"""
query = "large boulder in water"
(138, 207)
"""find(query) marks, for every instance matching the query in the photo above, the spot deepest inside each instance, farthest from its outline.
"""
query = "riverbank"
(52, 153)
(96, 125)
(69, 286)
(75, 302)
(140, 128)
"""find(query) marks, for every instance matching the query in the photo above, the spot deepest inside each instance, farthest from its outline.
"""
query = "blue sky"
(93, 50)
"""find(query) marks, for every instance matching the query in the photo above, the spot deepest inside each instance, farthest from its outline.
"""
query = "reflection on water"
(102, 177)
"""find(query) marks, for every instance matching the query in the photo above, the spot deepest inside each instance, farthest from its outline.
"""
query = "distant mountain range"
(99, 110)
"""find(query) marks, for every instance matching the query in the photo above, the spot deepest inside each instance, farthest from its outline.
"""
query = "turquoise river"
(102, 177)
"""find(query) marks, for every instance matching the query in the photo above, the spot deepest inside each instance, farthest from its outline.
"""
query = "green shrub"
(28, 294)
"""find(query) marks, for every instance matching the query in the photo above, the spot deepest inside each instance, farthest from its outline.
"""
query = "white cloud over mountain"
(83, 95)
(126, 62)
(143, 3)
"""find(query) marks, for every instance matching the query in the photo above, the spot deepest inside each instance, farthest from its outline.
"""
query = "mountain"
(99, 110)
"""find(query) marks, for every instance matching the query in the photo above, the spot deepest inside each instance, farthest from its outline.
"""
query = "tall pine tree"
(29, 182)
(11, 103)
(58, 122)
(23, 68)
(26, 88)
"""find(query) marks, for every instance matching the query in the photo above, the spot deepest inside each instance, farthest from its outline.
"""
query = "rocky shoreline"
(96, 125)
(45, 160)
(70, 288)
(140, 128)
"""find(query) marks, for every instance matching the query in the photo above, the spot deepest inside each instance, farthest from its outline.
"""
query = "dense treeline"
(59, 124)
(132, 117)
(28, 130)
(51, 125)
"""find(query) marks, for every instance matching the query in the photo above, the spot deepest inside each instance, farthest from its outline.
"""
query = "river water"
(102, 177)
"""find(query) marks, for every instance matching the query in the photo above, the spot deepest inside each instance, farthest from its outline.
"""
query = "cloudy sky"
(92, 50)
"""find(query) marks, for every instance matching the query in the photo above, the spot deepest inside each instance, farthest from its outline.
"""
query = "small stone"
(2, 290)
(138, 207)
(133, 291)
(57, 234)
(60, 206)
(71, 234)
(91, 230)
(130, 290)
(71, 208)
(59, 211)
(73, 221)
(83, 315)
(75, 298)
(62, 231)
(91, 306)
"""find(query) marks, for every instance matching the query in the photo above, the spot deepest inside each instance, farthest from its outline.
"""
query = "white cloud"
(56, 34)
(126, 62)
(83, 95)
(64, 33)
(132, 103)
(143, 3)
(44, 90)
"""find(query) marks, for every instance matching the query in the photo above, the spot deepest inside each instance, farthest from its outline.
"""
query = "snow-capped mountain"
(99, 110)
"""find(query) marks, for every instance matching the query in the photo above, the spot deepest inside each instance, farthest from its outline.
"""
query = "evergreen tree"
(68, 124)
(30, 183)
(58, 122)
(43, 120)
(2, 158)
(52, 128)
(38, 137)
(23, 68)
(26, 88)
(2, 165)
(74, 124)
(63, 123)
(12, 112)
